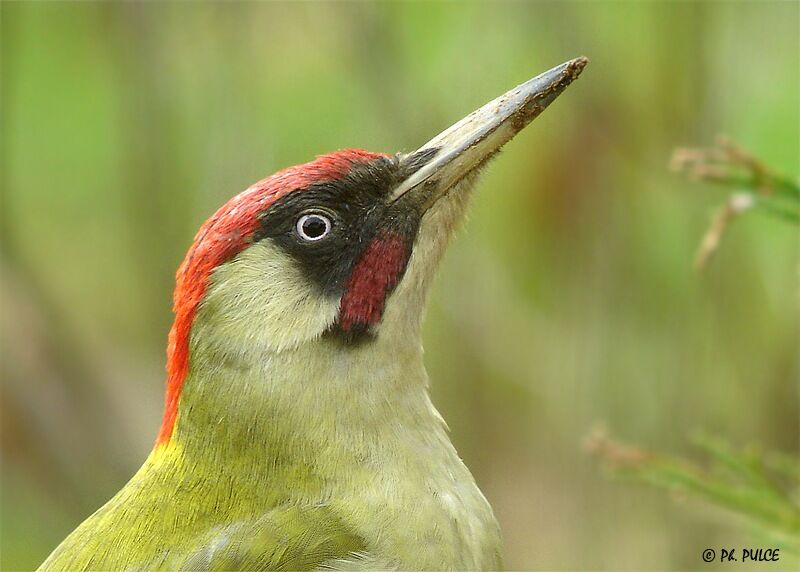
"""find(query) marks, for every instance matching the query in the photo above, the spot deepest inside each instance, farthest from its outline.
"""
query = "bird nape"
(298, 433)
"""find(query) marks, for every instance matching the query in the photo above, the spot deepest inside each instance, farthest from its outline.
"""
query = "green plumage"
(133, 533)
(240, 488)
(299, 456)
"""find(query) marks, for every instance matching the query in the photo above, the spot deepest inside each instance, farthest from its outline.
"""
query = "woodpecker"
(298, 432)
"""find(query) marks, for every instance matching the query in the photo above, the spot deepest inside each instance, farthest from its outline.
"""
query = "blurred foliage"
(568, 299)
(759, 488)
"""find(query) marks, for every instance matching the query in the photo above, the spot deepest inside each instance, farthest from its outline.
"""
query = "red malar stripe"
(377, 271)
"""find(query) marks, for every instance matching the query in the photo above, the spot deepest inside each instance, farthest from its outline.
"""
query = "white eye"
(313, 227)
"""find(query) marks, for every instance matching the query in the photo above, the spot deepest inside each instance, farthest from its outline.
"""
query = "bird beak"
(460, 149)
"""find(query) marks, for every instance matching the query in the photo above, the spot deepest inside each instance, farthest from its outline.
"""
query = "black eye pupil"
(314, 227)
(311, 227)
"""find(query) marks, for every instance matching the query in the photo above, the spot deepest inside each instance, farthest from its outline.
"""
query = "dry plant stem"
(757, 186)
(735, 205)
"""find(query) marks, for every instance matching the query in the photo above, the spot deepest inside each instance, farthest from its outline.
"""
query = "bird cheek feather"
(260, 303)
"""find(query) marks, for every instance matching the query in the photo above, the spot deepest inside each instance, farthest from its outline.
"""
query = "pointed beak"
(459, 150)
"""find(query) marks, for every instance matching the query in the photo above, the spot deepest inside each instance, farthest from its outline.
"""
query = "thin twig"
(756, 186)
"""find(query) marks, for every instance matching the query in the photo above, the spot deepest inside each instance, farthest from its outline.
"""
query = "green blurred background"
(568, 300)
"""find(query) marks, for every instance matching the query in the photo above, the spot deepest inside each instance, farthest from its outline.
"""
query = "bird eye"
(312, 227)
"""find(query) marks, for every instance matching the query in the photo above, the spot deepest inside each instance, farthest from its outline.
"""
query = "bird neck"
(323, 404)
(351, 427)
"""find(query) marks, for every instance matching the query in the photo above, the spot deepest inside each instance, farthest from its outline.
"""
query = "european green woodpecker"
(298, 433)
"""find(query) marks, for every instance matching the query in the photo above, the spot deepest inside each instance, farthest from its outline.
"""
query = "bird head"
(339, 251)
